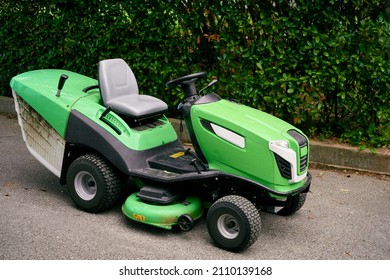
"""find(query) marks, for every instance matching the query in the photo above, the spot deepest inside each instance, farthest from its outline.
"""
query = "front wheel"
(233, 223)
(297, 202)
(93, 184)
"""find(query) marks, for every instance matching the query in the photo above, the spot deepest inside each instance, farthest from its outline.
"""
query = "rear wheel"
(297, 202)
(94, 185)
(233, 223)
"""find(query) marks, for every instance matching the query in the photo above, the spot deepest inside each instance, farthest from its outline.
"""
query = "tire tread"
(248, 210)
(111, 178)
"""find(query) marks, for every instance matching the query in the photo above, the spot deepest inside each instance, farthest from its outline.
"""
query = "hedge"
(321, 65)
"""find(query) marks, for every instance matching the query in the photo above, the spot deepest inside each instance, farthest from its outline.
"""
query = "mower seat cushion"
(119, 90)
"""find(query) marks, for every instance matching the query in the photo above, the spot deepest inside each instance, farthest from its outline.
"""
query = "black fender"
(83, 135)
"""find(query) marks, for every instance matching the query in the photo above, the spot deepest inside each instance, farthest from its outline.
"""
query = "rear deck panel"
(38, 88)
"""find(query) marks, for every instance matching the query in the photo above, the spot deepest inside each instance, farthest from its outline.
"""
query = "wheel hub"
(85, 185)
(228, 226)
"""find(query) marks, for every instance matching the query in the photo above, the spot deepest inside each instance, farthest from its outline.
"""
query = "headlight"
(288, 165)
(279, 143)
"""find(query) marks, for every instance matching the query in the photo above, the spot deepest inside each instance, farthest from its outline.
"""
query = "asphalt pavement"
(346, 217)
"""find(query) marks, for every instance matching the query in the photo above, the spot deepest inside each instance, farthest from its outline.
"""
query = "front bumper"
(303, 189)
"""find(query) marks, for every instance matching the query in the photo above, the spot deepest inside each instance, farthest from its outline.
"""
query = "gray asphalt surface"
(346, 216)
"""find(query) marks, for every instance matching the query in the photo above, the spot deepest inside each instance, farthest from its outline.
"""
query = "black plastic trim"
(304, 189)
(301, 140)
(91, 88)
(160, 195)
(218, 177)
(84, 134)
(209, 98)
(186, 111)
(284, 166)
(207, 125)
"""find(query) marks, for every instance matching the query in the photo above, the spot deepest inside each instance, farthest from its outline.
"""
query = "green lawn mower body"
(244, 161)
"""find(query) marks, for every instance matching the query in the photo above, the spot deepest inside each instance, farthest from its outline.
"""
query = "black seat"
(119, 90)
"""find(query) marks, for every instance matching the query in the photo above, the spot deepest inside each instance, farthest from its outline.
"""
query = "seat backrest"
(116, 79)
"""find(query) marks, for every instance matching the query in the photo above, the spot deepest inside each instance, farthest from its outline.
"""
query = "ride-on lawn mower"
(96, 134)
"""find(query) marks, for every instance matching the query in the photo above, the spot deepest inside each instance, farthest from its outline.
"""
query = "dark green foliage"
(321, 65)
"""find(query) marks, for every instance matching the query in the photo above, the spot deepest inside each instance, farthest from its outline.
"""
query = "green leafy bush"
(322, 65)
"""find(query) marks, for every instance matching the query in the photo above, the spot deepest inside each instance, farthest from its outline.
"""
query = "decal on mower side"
(229, 135)
(139, 217)
(177, 155)
(224, 133)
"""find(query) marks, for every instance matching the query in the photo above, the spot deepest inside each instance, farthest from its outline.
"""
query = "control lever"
(194, 164)
(61, 83)
(213, 82)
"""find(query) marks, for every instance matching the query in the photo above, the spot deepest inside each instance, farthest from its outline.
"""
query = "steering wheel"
(180, 80)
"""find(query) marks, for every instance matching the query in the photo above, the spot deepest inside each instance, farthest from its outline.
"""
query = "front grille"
(284, 167)
(303, 163)
(302, 142)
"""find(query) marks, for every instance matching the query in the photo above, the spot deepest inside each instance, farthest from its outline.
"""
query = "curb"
(334, 155)
(344, 156)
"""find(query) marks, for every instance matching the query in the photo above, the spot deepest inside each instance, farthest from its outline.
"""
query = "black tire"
(185, 222)
(233, 223)
(93, 184)
(297, 202)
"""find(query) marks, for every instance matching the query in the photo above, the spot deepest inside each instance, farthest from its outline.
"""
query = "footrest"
(176, 161)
